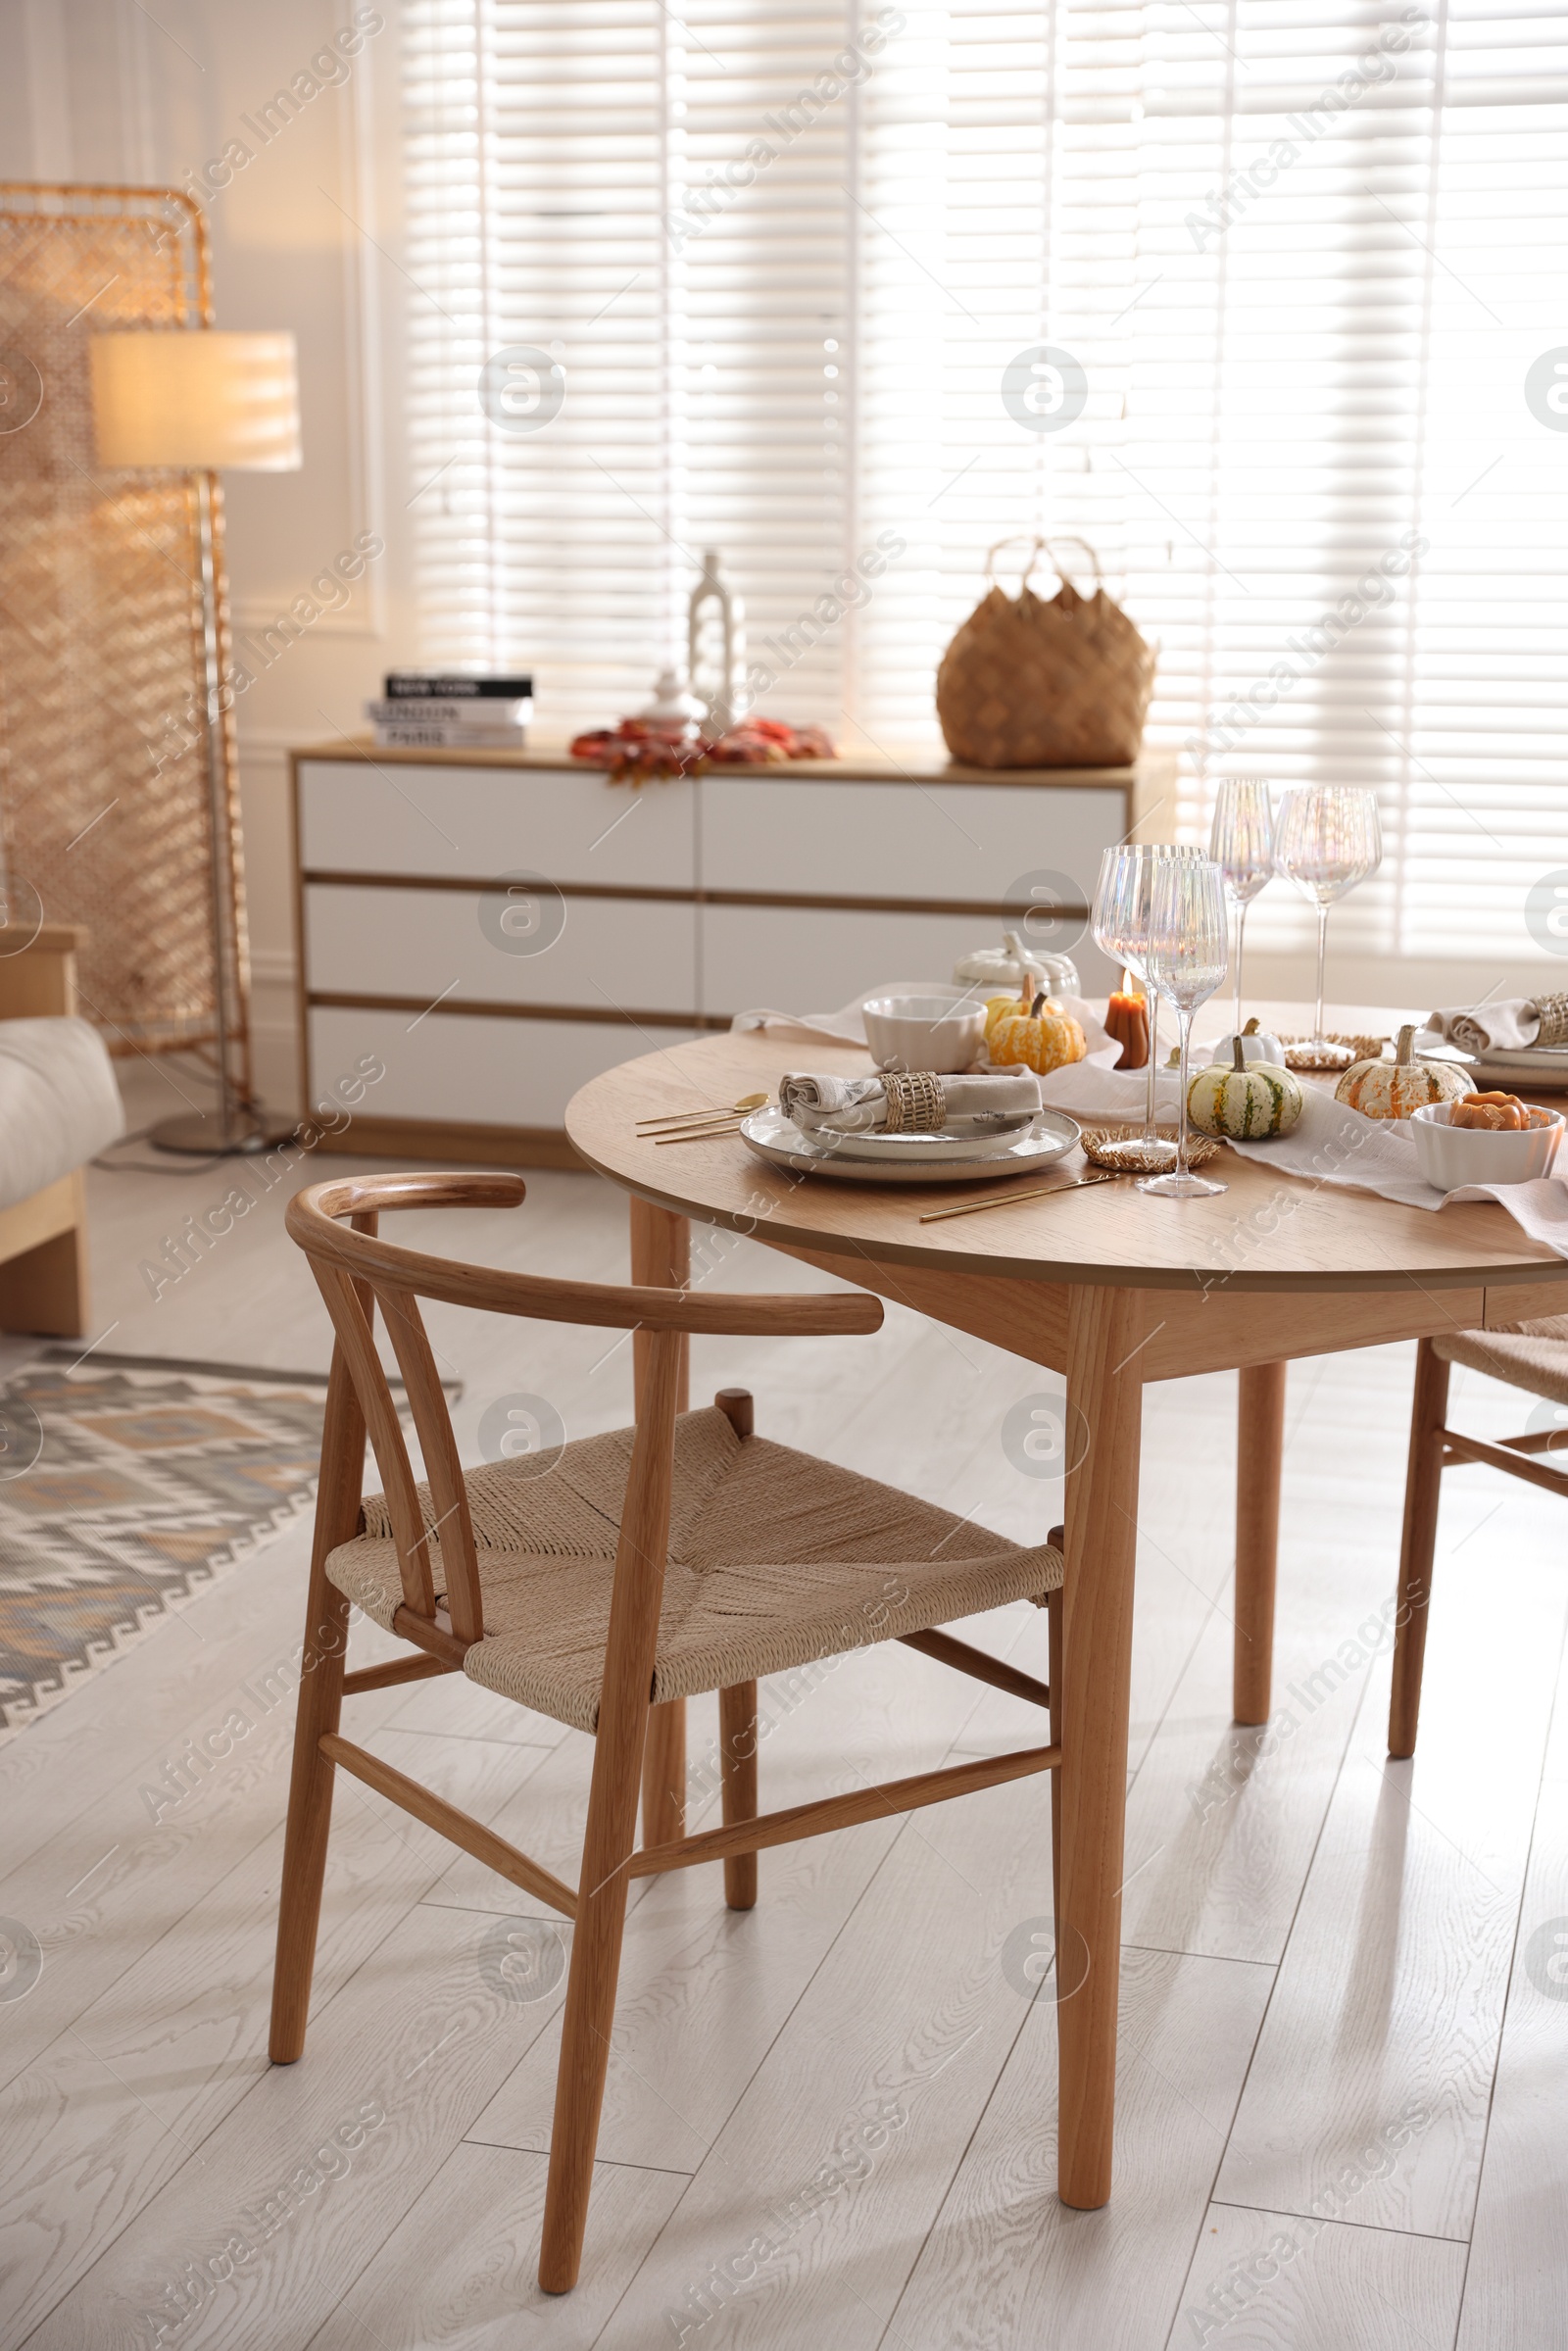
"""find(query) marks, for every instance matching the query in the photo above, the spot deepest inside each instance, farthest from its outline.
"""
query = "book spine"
(414, 737)
(458, 689)
(489, 714)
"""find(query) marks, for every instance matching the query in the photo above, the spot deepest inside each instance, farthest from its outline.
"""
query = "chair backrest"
(337, 1226)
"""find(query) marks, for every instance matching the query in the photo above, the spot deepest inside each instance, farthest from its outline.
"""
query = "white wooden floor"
(1345, 2041)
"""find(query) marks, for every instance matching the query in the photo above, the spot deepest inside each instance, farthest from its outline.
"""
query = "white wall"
(307, 235)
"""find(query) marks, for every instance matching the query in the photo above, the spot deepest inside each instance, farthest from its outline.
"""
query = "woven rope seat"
(775, 1559)
(1526, 1355)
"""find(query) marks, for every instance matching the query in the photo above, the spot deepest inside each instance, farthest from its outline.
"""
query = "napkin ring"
(1552, 1011)
(916, 1103)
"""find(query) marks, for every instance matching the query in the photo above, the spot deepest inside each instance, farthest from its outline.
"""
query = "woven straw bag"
(1032, 683)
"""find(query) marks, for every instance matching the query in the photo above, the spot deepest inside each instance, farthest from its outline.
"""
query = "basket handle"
(1071, 539)
(1017, 538)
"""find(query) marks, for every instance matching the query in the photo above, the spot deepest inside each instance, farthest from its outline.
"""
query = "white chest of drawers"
(494, 930)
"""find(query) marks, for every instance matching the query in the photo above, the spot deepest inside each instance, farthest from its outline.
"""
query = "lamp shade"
(195, 398)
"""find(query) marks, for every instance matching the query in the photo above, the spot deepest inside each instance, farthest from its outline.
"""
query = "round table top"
(1333, 1238)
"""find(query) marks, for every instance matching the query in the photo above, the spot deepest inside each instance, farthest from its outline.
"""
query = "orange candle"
(1127, 1023)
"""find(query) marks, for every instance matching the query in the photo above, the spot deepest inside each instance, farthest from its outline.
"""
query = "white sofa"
(59, 1105)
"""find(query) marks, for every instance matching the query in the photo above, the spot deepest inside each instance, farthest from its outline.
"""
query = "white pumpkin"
(1258, 1045)
(1398, 1089)
(1247, 1102)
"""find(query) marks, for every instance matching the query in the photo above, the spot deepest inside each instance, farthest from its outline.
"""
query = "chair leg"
(664, 1774)
(737, 1749)
(590, 1998)
(318, 1710)
(622, 1735)
(1422, 1486)
(1054, 1717)
(309, 1819)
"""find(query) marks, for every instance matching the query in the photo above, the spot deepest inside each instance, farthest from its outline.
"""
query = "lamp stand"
(237, 1126)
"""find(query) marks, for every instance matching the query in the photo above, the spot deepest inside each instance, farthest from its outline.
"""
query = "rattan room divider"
(105, 813)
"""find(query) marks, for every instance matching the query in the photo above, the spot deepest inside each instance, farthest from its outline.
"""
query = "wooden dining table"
(1113, 1289)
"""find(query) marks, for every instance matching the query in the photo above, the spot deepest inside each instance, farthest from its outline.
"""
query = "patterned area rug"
(122, 1491)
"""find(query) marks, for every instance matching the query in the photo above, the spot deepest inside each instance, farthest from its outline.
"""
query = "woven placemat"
(1361, 1049)
(1096, 1143)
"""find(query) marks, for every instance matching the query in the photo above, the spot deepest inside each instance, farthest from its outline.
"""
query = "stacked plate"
(1530, 1069)
(933, 1159)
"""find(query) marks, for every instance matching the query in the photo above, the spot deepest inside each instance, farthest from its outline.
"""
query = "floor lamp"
(196, 401)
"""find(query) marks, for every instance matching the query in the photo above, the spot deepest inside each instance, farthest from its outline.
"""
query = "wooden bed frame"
(43, 1240)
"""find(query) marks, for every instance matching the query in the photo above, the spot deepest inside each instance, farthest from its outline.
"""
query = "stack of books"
(455, 711)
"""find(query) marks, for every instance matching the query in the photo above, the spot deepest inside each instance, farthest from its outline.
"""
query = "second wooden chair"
(1532, 1355)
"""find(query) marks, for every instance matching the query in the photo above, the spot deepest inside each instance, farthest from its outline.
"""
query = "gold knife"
(1007, 1200)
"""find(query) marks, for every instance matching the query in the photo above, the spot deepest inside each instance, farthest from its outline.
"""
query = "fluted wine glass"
(1186, 956)
(1123, 910)
(1241, 842)
(1325, 839)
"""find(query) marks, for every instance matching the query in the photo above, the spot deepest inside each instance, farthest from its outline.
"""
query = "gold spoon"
(682, 1119)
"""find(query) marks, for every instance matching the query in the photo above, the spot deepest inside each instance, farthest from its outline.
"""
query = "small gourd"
(1398, 1089)
(1245, 1100)
(1258, 1045)
(1037, 1035)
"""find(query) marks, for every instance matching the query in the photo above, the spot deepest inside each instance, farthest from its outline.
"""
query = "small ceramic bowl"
(1449, 1155)
(925, 1032)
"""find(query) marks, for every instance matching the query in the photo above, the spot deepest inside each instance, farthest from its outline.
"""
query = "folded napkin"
(1509, 1026)
(983, 1102)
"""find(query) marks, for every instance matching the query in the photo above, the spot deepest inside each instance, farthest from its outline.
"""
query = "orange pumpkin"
(1039, 1035)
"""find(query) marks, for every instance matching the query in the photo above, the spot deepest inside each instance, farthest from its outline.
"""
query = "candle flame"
(1129, 985)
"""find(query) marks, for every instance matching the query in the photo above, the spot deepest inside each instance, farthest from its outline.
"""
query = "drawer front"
(812, 959)
(471, 1070)
(597, 953)
(954, 841)
(572, 825)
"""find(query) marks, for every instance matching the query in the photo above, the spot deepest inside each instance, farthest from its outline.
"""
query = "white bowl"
(925, 1032)
(1449, 1155)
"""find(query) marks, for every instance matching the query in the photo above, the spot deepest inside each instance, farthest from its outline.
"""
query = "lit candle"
(1127, 1023)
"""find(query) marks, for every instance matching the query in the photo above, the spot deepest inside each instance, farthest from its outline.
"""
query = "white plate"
(1543, 1066)
(903, 1151)
(779, 1140)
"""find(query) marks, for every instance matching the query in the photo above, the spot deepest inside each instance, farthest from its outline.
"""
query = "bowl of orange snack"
(1484, 1139)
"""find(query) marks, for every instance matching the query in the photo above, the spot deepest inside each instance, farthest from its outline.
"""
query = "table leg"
(661, 1258)
(1106, 1328)
(1259, 1445)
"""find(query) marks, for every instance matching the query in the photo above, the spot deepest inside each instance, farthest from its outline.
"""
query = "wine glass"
(1325, 840)
(1186, 956)
(1241, 842)
(1123, 908)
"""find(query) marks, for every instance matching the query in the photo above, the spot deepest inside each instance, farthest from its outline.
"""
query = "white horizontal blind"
(1335, 378)
(792, 261)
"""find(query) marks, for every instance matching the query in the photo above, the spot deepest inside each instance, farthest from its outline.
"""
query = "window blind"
(1257, 298)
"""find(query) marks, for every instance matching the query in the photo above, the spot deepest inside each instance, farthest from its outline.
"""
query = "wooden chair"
(1532, 1356)
(682, 1555)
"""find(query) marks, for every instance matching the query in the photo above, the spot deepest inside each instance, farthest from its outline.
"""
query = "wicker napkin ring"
(916, 1103)
(1553, 1016)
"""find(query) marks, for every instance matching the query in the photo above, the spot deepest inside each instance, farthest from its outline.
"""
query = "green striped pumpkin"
(1246, 1101)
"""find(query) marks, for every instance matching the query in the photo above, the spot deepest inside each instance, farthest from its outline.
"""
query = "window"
(1254, 296)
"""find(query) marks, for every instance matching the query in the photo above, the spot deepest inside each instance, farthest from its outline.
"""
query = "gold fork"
(667, 1124)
